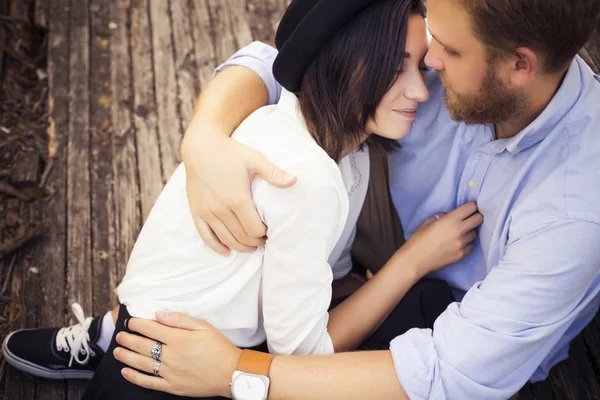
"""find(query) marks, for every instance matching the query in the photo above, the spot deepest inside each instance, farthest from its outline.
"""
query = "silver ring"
(156, 368)
(437, 217)
(156, 350)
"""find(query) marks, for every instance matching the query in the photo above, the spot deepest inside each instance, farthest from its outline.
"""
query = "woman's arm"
(432, 246)
(305, 222)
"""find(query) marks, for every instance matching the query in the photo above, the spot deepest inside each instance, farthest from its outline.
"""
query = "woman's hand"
(439, 243)
(196, 359)
(219, 171)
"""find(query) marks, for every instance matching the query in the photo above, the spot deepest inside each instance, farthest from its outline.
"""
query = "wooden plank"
(225, 41)
(4, 10)
(26, 170)
(572, 378)
(240, 24)
(50, 254)
(128, 219)
(101, 179)
(41, 13)
(185, 60)
(283, 5)
(149, 164)
(19, 9)
(21, 310)
(165, 86)
(204, 43)
(264, 16)
(79, 260)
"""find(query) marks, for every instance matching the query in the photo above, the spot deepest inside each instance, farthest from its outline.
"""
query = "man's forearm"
(347, 376)
(229, 98)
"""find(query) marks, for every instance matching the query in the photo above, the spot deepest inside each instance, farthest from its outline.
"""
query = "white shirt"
(281, 292)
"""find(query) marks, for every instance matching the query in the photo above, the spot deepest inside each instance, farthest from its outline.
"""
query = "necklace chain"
(355, 168)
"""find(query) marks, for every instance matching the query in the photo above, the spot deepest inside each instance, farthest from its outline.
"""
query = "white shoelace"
(75, 338)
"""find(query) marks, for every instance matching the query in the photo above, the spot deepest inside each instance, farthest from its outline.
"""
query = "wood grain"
(102, 175)
(126, 185)
(79, 257)
(144, 116)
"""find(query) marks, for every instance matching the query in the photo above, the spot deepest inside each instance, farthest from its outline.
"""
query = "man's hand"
(219, 172)
(196, 359)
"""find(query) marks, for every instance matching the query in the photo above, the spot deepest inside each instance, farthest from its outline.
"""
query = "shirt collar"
(288, 103)
(560, 105)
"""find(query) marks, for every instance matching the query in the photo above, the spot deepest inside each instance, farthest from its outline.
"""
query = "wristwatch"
(251, 381)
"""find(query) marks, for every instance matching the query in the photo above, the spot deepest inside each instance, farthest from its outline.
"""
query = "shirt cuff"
(258, 57)
(417, 365)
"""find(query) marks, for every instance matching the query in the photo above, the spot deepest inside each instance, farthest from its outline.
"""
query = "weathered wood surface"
(123, 77)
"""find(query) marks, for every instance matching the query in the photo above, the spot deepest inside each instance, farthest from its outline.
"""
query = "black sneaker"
(57, 353)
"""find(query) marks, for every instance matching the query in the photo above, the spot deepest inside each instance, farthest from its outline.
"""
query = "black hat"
(305, 28)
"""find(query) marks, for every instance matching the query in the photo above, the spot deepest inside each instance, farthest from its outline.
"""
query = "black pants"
(418, 309)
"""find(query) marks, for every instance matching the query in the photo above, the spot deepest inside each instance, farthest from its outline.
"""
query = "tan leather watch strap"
(255, 362)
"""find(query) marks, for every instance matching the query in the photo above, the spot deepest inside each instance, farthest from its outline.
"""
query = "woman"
(281, 293)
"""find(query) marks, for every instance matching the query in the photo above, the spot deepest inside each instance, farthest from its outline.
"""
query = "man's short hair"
(556, 29)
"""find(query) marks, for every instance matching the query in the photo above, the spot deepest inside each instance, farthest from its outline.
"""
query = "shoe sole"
(36, 370)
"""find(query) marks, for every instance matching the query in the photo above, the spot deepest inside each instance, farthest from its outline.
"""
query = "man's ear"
(525, 64)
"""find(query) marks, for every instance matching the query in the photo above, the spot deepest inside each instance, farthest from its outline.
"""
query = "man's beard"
(493, 103)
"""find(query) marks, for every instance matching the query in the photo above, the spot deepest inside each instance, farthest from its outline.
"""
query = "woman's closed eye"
(422, 68)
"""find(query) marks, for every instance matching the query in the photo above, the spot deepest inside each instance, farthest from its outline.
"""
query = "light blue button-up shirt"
(532, 282)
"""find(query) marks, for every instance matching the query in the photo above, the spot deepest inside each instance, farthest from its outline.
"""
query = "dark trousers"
(418, 309)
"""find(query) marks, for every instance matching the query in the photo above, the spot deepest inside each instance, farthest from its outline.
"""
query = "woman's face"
(398, 107)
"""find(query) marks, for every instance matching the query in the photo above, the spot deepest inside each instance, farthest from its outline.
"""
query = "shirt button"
(472, 184)
(516, 149)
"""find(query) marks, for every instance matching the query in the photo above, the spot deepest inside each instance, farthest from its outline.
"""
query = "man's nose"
(432, 58)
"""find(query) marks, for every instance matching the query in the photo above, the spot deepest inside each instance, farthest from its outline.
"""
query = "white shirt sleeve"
(304, 224)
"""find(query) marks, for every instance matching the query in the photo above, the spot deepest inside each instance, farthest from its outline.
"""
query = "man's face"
(475, 91)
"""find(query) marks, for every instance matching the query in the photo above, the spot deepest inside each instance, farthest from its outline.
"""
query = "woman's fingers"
(139, 362)
(145, 381)
(140, 345)
(464, 211)
(473, 221)
(469, 237)
(469, 248)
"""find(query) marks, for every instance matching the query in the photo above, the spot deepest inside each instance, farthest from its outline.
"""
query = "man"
(518, 135)
(511, 124)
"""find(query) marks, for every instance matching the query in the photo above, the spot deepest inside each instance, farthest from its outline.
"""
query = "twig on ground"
(12, 191)
(11, 245)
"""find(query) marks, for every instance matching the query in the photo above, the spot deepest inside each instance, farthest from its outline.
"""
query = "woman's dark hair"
(344, 84)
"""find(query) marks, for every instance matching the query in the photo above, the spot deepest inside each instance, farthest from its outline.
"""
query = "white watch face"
(248, 387)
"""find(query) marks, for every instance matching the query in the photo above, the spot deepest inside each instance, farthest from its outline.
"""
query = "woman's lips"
(410, 114)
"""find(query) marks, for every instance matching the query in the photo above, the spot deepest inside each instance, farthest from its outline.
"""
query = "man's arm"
(348, 376)
(219, 170)
(220, 106)
(491, 343)
(200, 362)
